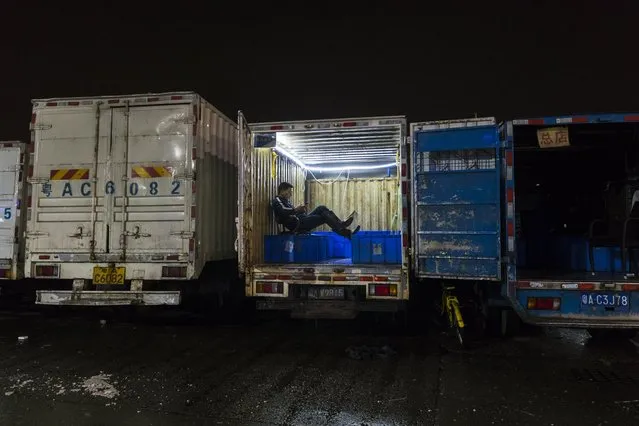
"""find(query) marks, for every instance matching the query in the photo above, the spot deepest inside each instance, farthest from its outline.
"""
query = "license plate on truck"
(606, 300)
(108, 276)
(326, 293)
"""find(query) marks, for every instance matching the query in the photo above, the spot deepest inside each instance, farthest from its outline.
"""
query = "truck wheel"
(510, 323)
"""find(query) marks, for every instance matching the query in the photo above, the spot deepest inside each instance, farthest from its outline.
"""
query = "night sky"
(502, 61)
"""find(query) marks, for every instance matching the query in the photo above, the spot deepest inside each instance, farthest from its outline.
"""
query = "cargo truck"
(13, 163)
(534, 219)
(348, 165)
(130, 197)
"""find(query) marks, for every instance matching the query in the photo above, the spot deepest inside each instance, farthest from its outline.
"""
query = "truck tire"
(510, 323)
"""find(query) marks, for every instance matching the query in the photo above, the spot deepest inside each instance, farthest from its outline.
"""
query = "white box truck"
(346, 164)
(130, 197)
(12, 221)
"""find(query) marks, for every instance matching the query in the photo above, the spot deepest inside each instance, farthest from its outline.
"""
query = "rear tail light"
(382, 290)
(630, 287)
(47, 271)
(269, 287)
(586, 286)
(544, 303)
(174, 271)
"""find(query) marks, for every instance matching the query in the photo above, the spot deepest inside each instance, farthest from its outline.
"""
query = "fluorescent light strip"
(330, 169)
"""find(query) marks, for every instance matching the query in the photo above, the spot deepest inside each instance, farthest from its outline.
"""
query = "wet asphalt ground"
(171, 368)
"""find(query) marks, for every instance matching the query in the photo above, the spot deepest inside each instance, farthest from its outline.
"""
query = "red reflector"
(73, 103)
(405, 213)
(339, 278)
(194, 154)
(366, 278)
(173, 257)
(191, 245)
(193, 212)
(510, 195)
(269, 287)
(30, 174)
(381, 279)
(5, 273)
(152, 99)
(403, 169)
(33, 118)
(404, 188)
(522, 284)
(114, 101)
(46, 270)
(631, 118)
(174, 271)
(544, 303)
(29, 201)
(382, 290)
(586, 286)
(52, 104)
(192, 187)
(405, 240)
(510, 226)
(536, 122)
(277, 127)
(44, 257)
(509, 158)
(176, 98)
(580, 119)
(349, 124)
(283, 277)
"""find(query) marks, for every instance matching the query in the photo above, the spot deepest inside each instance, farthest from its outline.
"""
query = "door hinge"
(37, 180)
(80, 234)
(136, 233)
(36, 234)
(40, 126)
(187, 235)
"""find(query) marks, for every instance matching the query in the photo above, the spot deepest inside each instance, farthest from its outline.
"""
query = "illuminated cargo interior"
(353, 167)
(562, 193)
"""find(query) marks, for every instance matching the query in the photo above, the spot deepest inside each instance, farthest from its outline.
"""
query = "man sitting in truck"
(298, 220)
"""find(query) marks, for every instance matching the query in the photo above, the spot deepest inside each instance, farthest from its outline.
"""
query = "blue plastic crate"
(311, 248)
(338, 246)
(279, 249)
(377, 247)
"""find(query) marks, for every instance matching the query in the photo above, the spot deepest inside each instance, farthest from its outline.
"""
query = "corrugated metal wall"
(376, 200)
(265, 181)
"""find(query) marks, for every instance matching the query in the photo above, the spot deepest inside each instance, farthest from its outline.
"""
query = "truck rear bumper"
(328, 309)
(106, 298)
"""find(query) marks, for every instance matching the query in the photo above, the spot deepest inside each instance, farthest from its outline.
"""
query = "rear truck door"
(9, 171)
(245, 195)
(146, 180)
(67, 209)
(457, 194)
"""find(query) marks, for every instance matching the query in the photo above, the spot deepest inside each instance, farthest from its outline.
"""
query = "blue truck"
(531, 219)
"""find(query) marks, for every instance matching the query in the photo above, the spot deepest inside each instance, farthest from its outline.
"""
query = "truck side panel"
(12, 191)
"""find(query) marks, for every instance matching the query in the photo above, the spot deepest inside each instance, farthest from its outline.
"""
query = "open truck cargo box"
(346, 164)
(572, 186)
(129, 191)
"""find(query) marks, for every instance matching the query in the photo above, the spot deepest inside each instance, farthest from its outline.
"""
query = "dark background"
(434, 62)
